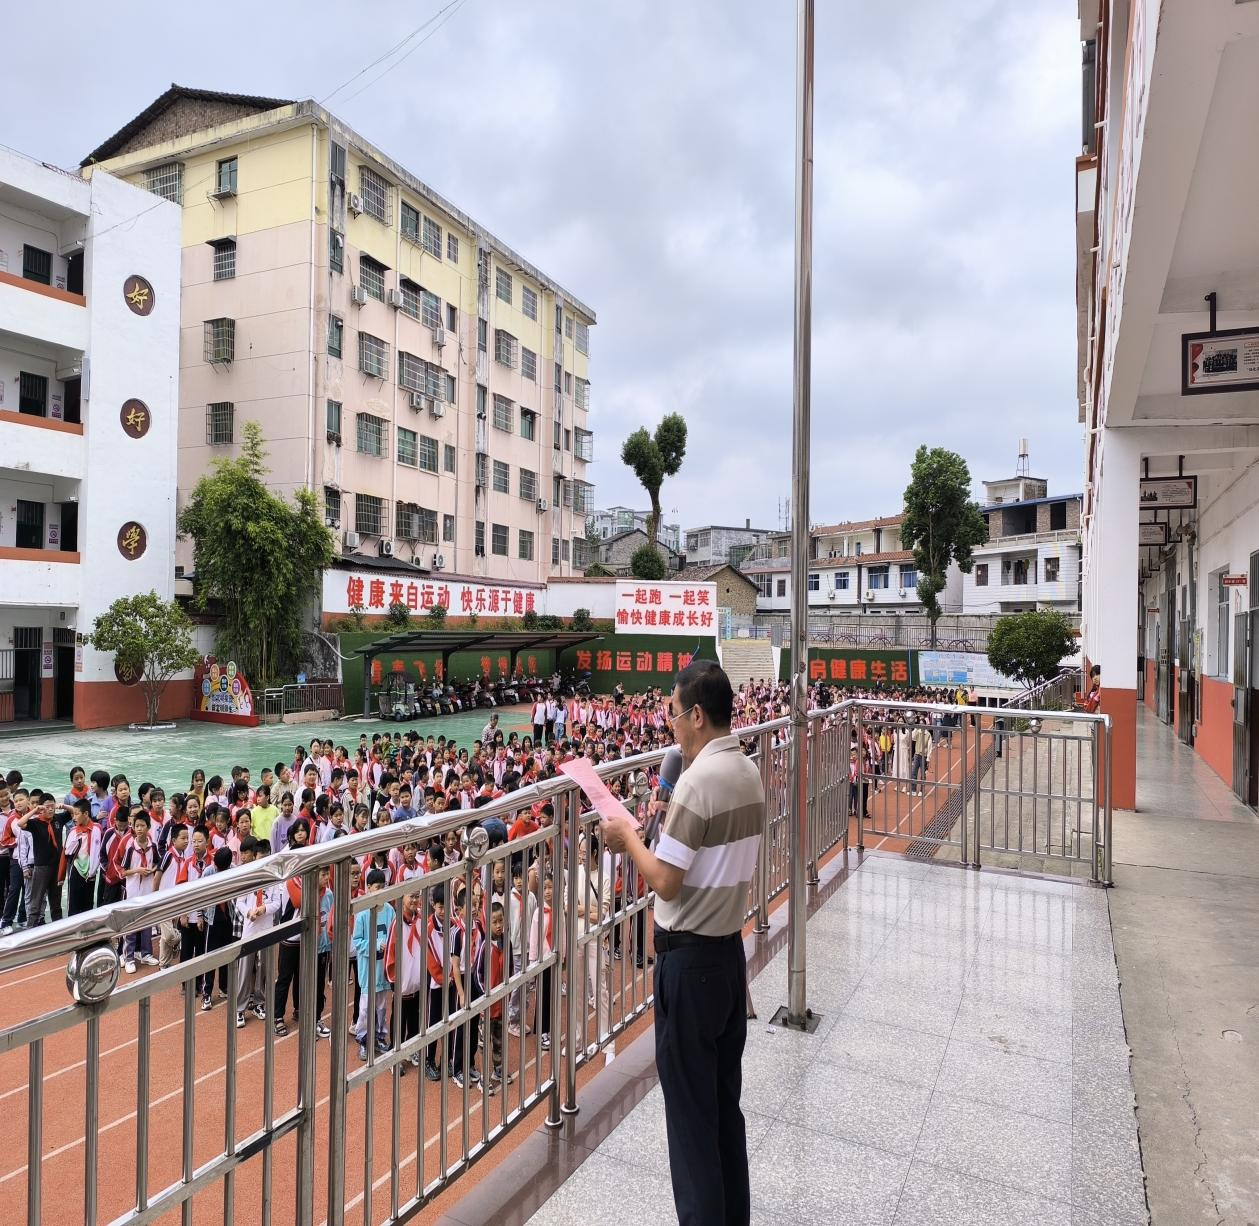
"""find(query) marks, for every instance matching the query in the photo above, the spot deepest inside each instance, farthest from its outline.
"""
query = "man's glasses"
(673, 717)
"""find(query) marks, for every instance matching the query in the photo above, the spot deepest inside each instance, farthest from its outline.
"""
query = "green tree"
(399, 617)
(653, 458)
(436, 616)
(646, 563)
(942, 523)
(581, 620)
(151, 637)
(258, 556)
(1029, 647)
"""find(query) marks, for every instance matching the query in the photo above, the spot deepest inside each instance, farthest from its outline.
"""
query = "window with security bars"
(336, 159)
(336, 250)
(432, 238)
(449, 457)
(373, 356)
(502, 477)
(498, 539)
(480, 470)
(584, 445)
(528, 425)
(555, 551)
(583, 497)
(225, 177)
(166, 181)
(430, 309)
(407, 448)
(581, 551)
(581, 394)
(502, 285)
(524, 544)
(371, 276)
(448, 529)
(375, 193)
(415, 523)
(36, 265)
(529, 364)
(334, 417)
(480, 538)
(503, 414)
(452, 249)
(428, 453)
(582, 340)
(410, 372)
(332, 503)
(410, 298)
(568, 326)
(504, 348)
(528, 302)
(410, 222)
(372, 435)
(336, 332)
(528, 485)
(220, 340)
(224, 259)
(219, 421)
(32, 394)
(428, 526)
(371, 515)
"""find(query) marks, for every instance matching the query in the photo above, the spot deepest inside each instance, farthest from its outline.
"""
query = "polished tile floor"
(970, 1067)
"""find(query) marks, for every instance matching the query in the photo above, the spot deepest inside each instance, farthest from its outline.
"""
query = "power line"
(453, 8)
(392, 50)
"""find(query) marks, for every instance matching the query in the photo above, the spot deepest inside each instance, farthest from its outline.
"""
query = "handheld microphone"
(670, 772)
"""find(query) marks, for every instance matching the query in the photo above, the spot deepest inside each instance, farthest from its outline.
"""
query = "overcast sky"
(642, 153)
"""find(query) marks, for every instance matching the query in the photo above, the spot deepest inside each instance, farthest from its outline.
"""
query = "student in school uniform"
(404, 969)
(439, 997)
(369, 946)
(220, 932)
(192, 927)
(83, 859)
(115, 835)
(138, 864)
(541, 943)
(257, 911)
(172, 871)
(288, 974)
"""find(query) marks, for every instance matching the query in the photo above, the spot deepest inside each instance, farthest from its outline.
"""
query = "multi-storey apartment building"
(856, 566)
(717, 544)
(89, 364)
(1032, 558)
(604, 525)
(425, 379)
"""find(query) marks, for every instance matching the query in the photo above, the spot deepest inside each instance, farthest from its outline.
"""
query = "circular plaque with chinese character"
(126, 672)
(135, 418)
(138, 294)
(132, 540)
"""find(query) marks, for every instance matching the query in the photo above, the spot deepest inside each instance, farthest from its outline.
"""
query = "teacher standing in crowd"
(701, 871)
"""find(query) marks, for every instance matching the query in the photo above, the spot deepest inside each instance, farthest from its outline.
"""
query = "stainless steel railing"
(277, 1126)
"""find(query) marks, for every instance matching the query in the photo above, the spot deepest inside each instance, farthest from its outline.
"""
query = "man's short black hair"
(704, 684)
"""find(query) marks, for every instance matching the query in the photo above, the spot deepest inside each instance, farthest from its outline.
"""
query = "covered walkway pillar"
(1111, 593)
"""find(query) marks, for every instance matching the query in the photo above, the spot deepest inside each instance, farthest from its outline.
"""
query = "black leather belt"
(663, 940)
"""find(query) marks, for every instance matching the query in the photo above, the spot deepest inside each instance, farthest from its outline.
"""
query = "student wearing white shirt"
(256, 911)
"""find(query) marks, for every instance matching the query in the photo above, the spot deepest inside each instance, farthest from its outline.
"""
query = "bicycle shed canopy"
(446, 642)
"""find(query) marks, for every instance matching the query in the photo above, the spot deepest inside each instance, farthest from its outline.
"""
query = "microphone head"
(671, 768)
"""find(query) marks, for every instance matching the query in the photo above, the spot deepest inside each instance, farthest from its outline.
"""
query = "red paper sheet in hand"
(582, 772)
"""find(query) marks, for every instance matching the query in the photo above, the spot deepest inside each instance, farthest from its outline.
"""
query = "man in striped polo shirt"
(701, 871)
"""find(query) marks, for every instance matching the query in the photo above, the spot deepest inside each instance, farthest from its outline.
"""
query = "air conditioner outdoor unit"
(394, 298)
(543, 505)
(417, 400)
(439, 561)
(439, 337)
(438, 408)
(332, 521)
(358, 296)
(355, 202)
(351, 540)
(386, 549)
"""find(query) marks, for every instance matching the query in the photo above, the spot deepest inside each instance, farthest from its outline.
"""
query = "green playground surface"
(169, 757)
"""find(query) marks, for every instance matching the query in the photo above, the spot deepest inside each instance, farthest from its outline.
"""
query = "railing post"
(761, 880)
(1107, 828)
(570, 819)
(977, 842)
(962, 807)
(815, 760)
(307, 984)
(852, 803)
(336, 1075)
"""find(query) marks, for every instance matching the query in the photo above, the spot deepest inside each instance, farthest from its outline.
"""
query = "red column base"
(1121, 706)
